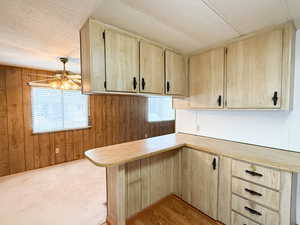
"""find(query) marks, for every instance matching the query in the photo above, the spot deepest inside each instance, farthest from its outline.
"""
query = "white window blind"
(160, 109)
(54, 110)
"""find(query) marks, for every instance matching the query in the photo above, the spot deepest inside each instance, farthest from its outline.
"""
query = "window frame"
(60, 130)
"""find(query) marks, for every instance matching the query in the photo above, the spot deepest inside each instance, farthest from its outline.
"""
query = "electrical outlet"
(56, 150)
(146, 135)
(198, 127)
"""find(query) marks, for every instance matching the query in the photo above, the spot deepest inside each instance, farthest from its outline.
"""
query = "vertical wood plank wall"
(115, 119)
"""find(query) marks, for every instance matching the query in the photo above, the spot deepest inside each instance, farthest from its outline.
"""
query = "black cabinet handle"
(252, 173)
(252, 192)
(275, 98)
(219, 100)
(134, 83)
(143, 83)
(252, 211)
(168, 86)
(214, 164)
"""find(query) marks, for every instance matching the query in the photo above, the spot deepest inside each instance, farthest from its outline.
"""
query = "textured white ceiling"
(34, 33)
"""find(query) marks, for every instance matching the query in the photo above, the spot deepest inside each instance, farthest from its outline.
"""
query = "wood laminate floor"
(171, 211)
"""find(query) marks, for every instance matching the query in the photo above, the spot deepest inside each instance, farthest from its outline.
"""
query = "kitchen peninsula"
(228, 181)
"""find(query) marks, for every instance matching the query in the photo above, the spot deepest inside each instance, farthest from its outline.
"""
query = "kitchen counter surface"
(114, 155)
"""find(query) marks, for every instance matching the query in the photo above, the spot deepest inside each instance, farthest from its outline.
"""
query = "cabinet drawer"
(256, 193)
(254, 211)
(257, 174)
(237, 219)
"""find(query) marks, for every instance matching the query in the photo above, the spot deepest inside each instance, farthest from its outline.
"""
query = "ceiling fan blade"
(44, 75)
(78, 82)
(74, 76)
(32, 84)
(41, 82)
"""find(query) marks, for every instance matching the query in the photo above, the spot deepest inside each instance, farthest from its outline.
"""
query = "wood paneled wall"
(115, 119)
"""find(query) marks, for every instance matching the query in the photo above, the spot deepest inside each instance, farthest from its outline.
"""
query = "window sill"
(160, 121)
(62, 130)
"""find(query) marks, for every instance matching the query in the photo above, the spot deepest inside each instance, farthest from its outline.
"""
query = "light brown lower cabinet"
(261, 195)
(136, 185)
(237, 219)
(200, 180)
(227, 190)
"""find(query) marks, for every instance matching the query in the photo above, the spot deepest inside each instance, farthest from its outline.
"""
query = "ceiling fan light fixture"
(62, 81)
(65, 84)
(55, 84)
(75, 86)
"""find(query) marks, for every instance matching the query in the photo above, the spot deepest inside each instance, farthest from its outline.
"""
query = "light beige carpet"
(72, 193)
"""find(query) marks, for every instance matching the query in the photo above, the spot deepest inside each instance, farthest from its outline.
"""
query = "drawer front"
(257, 174)
(256, 193)
(237, 219)
(254, 211)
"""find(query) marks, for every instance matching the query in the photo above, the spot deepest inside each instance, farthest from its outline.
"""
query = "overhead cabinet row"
(113, 61)
(251, 73)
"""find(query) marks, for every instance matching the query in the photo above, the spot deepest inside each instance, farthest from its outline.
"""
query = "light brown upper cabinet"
(207, 79)
(200, 180)
(254, 72)
(151, 68)
(122, 62)
(115, 61)
(176, 80)
(92, 57)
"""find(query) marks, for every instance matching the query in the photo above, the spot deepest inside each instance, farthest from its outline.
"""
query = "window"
(54, 110)
(160, 109)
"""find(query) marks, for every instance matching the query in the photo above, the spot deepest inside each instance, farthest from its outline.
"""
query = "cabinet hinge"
(103, 35)
(105, 84)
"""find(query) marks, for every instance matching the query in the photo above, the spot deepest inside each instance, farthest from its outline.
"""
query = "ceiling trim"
(220, 15)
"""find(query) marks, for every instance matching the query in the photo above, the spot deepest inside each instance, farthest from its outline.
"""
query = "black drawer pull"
(252, 211)
(252, 173)
(253, 192)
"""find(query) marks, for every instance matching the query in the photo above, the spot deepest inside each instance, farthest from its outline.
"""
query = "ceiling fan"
(63, 80)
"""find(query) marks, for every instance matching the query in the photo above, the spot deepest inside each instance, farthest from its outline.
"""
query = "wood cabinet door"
(207, 79)
(200, 180)
(176, 80)
(92, 57)
(122, 62)
(254, 72)
(151, 68)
